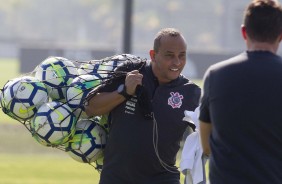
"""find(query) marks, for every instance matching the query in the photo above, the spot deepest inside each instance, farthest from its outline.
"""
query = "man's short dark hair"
(164, 32)
(263, 20)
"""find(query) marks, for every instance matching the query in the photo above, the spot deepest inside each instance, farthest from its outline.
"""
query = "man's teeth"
(174, 69)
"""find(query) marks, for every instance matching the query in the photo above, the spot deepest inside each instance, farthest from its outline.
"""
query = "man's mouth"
(174, 69)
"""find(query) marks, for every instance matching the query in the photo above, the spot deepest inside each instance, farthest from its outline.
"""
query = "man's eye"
(169, 55)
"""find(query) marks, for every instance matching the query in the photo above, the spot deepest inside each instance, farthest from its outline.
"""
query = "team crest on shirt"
(175, 100)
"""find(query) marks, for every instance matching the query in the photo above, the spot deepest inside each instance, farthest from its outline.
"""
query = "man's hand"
(133, 79)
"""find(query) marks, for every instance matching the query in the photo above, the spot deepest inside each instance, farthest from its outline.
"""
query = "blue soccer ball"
(56, 73)
(78, 90)
(21, 97)
(53, 124)
(88, 142)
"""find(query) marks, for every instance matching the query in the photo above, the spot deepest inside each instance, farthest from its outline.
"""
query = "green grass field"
(44, 169)
(24, 161)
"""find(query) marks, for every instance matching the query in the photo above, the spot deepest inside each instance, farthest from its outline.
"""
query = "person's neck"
(262, 46)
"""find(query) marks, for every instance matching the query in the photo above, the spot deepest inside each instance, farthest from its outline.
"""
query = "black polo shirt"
(130, 155)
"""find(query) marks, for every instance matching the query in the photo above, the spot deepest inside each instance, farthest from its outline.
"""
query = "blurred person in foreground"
(240, 113)
(147, 109)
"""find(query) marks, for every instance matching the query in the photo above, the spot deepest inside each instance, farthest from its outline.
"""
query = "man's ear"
(243, 31)
(280, 38)
(152, 55)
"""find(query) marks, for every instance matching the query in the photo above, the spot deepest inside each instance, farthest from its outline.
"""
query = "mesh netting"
(49, 102)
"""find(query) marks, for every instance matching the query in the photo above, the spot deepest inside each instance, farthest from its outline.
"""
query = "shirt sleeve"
(204, 106)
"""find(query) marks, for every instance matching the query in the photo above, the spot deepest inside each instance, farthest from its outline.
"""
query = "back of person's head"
(263, 20)
(162, 33)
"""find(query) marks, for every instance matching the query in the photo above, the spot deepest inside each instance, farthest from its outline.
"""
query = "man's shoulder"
(184, 81)
(189, 88)
(229, 61)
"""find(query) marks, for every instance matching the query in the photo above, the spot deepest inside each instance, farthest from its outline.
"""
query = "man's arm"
(205, 131)
(103, 103)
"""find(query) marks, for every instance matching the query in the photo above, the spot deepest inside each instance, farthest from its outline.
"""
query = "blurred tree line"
(99, 23)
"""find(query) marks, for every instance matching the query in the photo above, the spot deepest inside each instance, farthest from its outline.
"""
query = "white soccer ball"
(116, 61)
(124, 57)
(53, 124)
(104, 69)
(21, 97)
(103, 121)
(78, 90)
(88, 142)
(57, 73)
(108, 67)
(92, 69)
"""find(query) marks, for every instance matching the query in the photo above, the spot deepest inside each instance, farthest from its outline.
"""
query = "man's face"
(170, 59)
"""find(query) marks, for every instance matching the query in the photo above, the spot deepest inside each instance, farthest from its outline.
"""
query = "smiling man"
(146, 110)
